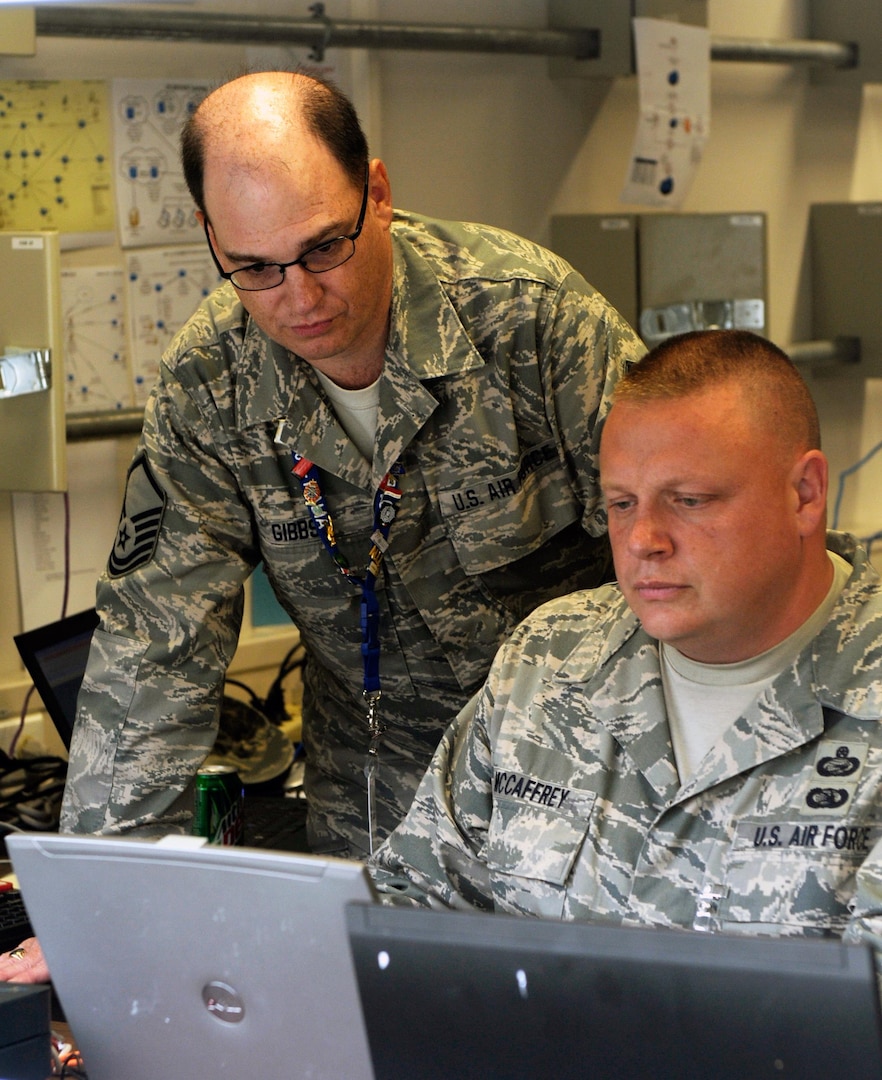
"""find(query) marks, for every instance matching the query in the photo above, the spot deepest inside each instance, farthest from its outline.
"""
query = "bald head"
(266, 121)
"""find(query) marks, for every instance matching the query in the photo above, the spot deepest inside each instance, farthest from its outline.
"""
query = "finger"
(24, 964)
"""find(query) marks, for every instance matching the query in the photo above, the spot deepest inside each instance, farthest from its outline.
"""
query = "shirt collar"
(427, 340)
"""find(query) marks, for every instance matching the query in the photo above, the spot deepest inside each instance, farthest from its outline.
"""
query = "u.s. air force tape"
(139, 522)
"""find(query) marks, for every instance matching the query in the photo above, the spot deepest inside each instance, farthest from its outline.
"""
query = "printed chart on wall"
(56, 159)
(164, 286)
(153, 204)
(673, 73)
(96, 368)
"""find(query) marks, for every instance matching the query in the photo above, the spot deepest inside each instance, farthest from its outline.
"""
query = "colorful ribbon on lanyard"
(385, 508)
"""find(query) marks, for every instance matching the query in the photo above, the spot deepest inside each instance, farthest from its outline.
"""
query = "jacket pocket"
(537, 835)
(496, 520)
(794, 877)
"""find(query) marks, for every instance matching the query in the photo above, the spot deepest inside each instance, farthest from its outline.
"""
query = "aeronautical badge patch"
(838, 767)
(139, 523)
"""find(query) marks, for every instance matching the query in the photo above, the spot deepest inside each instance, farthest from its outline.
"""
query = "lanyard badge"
(386, 503)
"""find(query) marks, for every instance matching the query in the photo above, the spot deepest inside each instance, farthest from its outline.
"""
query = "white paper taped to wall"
(673, 70)
(41, 535)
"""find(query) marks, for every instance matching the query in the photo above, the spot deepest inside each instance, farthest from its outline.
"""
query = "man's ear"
(380, 191)
(810, 480)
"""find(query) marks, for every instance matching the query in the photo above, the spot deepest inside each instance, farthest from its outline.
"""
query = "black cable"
(31, 791)
(274, 702)
(273, 705)
(256, 702)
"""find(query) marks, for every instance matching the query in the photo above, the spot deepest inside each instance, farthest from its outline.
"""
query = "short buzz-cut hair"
(327, 112)
(700, 359)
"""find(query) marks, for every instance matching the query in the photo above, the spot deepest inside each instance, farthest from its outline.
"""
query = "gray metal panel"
(603, 248)
(710, 259)
(33, 451)
(845, 243)
(613, 19)
(701, 257)
(858, 21)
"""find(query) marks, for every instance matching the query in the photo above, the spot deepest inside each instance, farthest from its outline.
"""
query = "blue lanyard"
(385, 508)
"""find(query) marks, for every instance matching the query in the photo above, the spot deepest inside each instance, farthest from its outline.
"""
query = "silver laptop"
(176, 958)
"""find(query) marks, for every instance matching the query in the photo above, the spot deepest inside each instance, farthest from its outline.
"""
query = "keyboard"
(14, 923)
(275, 822)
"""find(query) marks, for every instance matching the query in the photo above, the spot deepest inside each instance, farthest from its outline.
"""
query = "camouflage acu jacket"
(556, 793)
(499, 364)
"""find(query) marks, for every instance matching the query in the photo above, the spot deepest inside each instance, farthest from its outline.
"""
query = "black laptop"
(55, 657)
(471, 995)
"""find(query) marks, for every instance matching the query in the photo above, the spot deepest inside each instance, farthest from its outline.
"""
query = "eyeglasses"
(325, 256)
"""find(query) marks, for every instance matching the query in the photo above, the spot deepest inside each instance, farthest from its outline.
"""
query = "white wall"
(495, 138)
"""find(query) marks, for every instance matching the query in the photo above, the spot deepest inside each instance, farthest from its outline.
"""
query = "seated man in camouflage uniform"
(698, 745)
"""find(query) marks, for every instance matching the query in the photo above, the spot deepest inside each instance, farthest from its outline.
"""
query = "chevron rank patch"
(139, 523)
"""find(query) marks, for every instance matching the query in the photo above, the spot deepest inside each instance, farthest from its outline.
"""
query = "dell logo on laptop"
(223, 1002)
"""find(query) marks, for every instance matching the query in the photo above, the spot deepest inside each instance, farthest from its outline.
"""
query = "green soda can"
(218, 813)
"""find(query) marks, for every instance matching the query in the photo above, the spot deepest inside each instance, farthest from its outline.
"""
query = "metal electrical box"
(669, 273)
(612, 18)
(33, 449)
(699, 271)
(845, 249)
(857, 22)
(603, 248)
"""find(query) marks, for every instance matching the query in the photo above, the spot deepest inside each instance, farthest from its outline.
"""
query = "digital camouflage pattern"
(500, 362)
(555, 792)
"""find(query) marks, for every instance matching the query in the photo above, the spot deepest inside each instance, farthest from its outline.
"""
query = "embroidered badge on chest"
(837, 769)
(139, 523)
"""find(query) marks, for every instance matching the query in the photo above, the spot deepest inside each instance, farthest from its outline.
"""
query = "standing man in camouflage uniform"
(366, 383)
(699, 745)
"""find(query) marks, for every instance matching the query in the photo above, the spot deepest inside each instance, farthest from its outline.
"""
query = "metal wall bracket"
(25, 372)
(859, 21)
(659, 323)
(850, 23)
(33, 454)
(829, 356)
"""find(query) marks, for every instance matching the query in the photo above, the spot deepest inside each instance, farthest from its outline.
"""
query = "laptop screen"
(467, 994)
(55, 656)
(180, 960)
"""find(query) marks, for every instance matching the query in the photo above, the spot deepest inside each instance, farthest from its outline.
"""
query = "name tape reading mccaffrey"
(515, 787)
(529, 789)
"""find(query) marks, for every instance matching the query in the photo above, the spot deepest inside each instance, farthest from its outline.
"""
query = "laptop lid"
(471, 995)
(55, 656)
(181, 959)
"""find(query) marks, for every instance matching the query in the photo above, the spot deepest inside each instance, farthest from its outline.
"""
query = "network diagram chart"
(153, 204)
(55, 156)
(96, 364)
(164, 286)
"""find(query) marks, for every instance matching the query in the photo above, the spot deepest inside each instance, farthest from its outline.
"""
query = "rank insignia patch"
(139, 523)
